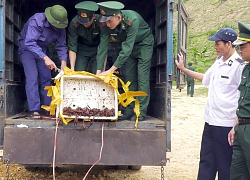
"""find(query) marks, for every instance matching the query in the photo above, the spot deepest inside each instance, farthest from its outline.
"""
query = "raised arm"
(180, 65)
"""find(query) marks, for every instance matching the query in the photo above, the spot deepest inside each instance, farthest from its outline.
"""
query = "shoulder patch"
(239, 60)
(218, 57)
(127, 21)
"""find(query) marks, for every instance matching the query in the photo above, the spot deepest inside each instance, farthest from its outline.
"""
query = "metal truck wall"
(161, 67)
(121, 146)
(182, 40)
(12, 96)
(2, 99)
(158, 14)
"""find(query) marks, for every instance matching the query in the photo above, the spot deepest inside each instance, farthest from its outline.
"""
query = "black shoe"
(124, 117)
(141, 118)
(44, 112)
(34, 115)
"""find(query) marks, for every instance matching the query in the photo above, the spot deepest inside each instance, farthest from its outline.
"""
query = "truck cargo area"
(122, 144)
(31, 142)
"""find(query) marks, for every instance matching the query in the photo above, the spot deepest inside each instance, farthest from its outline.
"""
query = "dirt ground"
(187, 126)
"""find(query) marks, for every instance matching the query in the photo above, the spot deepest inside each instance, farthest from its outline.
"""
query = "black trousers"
(215, 154)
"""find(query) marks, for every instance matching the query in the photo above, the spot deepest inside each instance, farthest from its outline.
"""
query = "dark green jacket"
(83, 38)
(132, 30)
(243, 110)
(192, 69)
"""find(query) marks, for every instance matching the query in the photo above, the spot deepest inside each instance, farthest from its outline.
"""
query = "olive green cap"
(109, 9)
(244, 34)
(86, 10)
(57, 16)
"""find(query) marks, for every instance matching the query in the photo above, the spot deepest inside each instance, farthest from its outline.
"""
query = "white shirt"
(223, 79)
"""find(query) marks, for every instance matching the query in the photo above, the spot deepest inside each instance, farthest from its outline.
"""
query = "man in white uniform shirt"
(223, 79)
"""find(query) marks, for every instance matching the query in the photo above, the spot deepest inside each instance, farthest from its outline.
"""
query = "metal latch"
(173, 6)
(1, 153)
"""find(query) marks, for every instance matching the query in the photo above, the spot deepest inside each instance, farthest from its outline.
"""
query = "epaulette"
(127, 21)
(218, 57)
(239, 60)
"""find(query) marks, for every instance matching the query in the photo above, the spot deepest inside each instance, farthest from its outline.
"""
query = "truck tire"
(135, 167)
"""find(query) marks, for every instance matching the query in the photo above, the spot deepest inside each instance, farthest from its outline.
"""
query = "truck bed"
(81, 144)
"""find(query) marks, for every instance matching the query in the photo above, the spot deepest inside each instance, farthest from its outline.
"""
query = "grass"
(201, 91)
(196, 82)
(198, 92)
(205, 19)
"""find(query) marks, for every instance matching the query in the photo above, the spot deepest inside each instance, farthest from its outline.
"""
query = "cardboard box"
(89, 92)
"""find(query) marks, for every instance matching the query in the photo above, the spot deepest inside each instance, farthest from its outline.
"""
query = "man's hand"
(180, 63)
(111, 70)
(49, 63)
(231, 134)
(63, 64)
(72, 60)
(98, 72)
(231, 137)
(106, 72)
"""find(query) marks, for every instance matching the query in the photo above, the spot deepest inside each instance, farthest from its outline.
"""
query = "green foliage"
(201, 51)
(201, 91)
(216, 2)
(176, 1)
(211, 32)
(199, 54)
(205, 19)
(200, 58)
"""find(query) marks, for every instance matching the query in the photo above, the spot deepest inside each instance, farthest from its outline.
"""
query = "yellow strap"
(124, 99)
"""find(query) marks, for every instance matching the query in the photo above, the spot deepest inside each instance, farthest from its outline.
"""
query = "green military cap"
(244, 34)
(86, 10)
(57, 16)
(109, 9)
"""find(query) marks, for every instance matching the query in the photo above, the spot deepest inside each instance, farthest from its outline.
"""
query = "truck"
(124, 145)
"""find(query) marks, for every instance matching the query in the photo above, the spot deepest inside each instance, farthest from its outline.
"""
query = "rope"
(55, 140)
(99, 156)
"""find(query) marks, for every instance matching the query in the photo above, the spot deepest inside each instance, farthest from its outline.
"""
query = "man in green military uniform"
(190, 81)
(130, 28)
(239, 136)
(84, 37)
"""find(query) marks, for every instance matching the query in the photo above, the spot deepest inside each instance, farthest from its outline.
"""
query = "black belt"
(244, 121)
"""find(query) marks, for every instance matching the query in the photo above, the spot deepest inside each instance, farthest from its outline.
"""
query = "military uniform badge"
(84, 15)
(102, 11)
(230, 62)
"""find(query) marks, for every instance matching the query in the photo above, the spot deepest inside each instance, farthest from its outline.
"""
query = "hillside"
(205, 15)
(205, 18)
